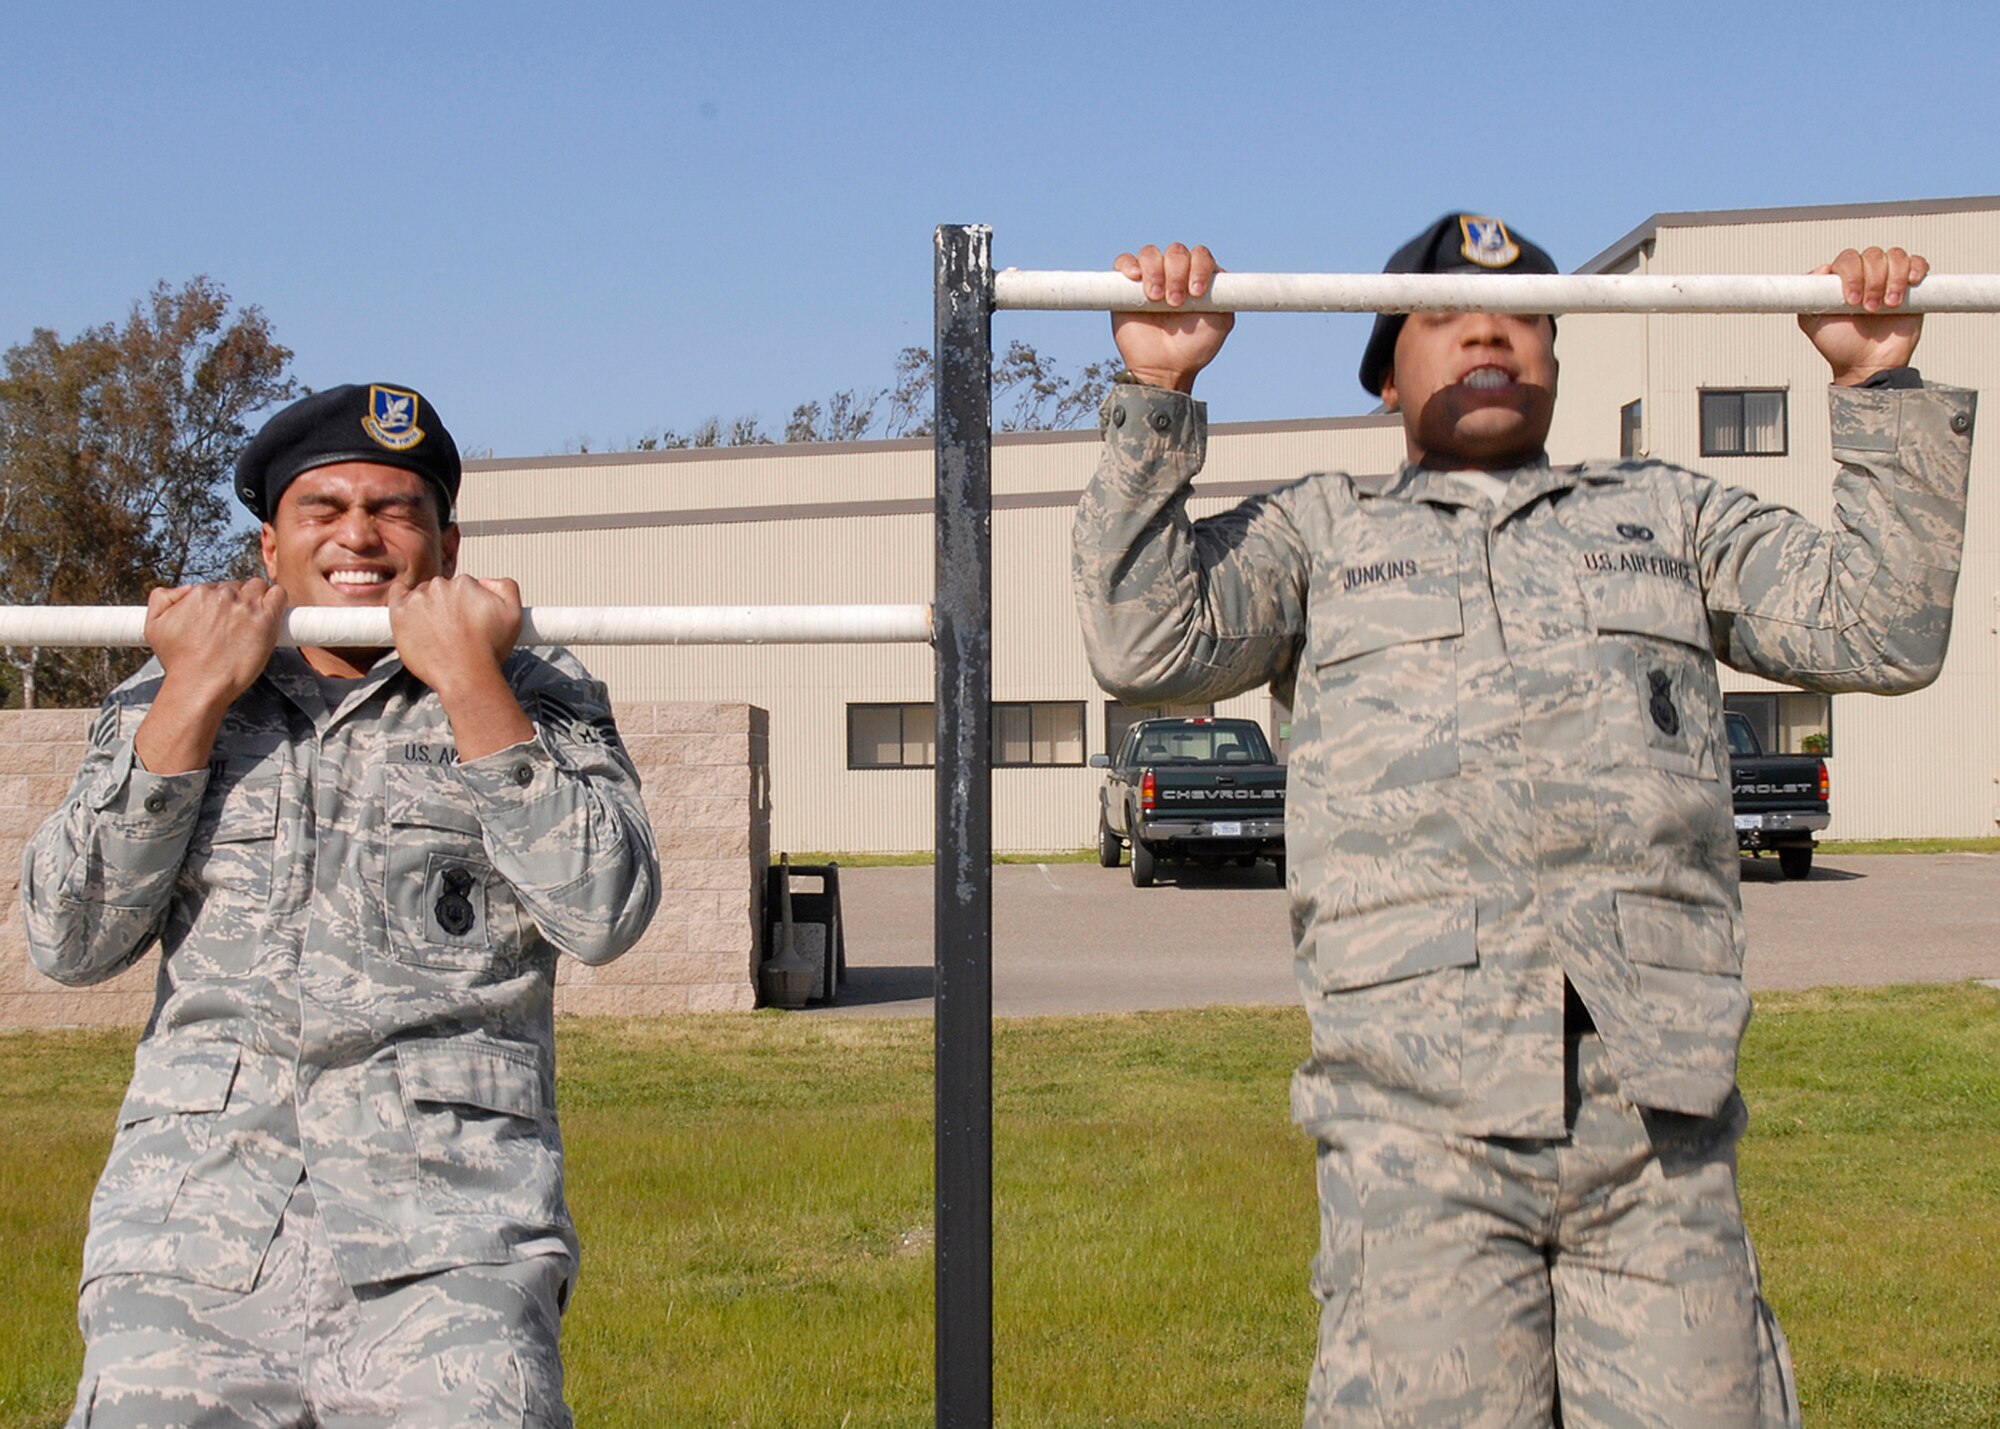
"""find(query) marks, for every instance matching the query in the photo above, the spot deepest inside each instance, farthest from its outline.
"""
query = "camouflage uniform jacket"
(358, 938)
(1508, 761)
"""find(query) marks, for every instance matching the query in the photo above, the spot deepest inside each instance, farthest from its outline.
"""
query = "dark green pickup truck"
(1197, 789)
(1780, 799)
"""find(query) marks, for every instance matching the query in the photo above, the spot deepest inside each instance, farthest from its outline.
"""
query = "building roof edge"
(500, 466)
(1802, 213)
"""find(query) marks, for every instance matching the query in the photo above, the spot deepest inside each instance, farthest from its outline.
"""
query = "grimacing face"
(349, 533)
(1477, 390)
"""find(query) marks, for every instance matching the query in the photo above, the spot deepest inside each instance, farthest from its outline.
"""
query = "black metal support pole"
(963, 620)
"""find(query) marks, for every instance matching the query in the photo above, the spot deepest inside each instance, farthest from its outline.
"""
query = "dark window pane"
(1721, 423)
(1764, 423)
(874, 736)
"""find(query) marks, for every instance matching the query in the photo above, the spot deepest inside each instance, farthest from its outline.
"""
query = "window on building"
(1629, 418)
(891, 736)
(1743, 422)
(1119, 717)
(1787, 724)
(1037, 733)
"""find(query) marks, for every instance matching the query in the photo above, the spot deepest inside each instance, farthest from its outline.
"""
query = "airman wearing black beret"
(378, 422)
(1456, 243)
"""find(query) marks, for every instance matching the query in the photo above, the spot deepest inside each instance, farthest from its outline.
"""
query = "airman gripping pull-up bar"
(968, 292)
(1488, 293)
(959, 626)
(365, 628)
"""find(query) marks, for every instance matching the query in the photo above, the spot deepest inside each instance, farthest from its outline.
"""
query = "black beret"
(378, 423)
(1456, 243)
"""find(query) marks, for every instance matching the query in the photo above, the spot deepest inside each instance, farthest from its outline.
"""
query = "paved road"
(1072, 937)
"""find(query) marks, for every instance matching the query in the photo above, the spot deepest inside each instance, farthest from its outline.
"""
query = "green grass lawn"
(1843, 846)
(1089, 855)
(925, 858)
(754, 1198)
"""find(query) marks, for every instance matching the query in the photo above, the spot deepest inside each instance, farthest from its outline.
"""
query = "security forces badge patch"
(392, 418)
(1486, 242)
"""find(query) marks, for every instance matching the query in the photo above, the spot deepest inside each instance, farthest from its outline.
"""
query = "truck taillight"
(1825, 784)
(1148, 789)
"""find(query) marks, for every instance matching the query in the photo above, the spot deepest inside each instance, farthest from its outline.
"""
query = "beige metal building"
(1738, 397)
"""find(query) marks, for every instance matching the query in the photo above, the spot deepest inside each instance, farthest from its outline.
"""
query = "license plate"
(1749, 821)
(1226, 831)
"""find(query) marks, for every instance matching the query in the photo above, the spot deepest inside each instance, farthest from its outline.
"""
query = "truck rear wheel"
(1142, 863)
(1795, 860)
(1110, 848)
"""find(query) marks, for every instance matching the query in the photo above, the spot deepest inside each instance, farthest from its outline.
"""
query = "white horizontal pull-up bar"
(368, 627)
(1487, 292)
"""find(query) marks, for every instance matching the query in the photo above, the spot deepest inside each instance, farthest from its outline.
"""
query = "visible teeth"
(1485, 377)
(356, 578)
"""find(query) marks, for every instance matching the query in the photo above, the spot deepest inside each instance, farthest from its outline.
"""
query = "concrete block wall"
(706, 769)
(706, 775)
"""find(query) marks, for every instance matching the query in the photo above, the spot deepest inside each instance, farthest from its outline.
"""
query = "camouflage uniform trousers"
(1604, 1279)
(472, 1345)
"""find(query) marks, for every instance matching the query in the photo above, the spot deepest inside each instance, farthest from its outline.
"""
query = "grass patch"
(925, 858)
(1986, 845)
(754, 1197)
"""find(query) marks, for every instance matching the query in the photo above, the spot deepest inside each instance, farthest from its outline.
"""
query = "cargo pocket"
(1391, 993)
(445, 906)
(166, 1123)
(1659, 701)
(1386, 669)
(1687, 959)
(1341, 1368)
(476, 1112)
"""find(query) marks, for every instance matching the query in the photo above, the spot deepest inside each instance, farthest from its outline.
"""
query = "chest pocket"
(1384, 642)
(231, 850)
(444, 904)
(223, 902)
(1659, 702)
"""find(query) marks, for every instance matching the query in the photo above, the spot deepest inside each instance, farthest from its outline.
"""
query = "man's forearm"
(484, 713)
(178, 733)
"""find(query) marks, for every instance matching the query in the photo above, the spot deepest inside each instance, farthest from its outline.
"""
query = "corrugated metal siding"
(1603, 368)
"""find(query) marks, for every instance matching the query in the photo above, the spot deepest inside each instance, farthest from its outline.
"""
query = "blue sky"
(577, 224)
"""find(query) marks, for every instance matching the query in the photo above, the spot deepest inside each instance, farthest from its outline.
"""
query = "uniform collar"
(293, 678)
(1525, 486)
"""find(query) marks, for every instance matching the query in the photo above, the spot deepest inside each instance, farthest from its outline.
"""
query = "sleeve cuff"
(1931, 421)
(510, 777)
(126, 790)
(1147, 427)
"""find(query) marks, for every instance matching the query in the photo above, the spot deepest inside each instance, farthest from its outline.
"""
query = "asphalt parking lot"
(1073, 937)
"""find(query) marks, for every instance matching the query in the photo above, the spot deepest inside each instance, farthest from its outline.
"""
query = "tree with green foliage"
(116, 454)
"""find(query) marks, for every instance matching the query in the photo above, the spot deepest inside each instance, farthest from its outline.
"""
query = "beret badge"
(392, 418)
(1486, 242)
